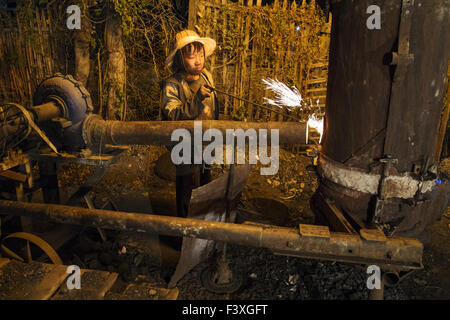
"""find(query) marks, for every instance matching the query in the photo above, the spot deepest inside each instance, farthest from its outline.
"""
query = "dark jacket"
(179, 103)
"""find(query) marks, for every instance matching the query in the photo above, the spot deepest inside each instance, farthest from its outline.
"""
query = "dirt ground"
(134, 186)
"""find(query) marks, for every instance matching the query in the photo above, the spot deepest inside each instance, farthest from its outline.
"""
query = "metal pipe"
(391, 278)
(46, 111)
(313, 243)
(98, 131)
(377, 294)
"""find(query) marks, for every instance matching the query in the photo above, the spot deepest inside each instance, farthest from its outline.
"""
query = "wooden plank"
(30, 281)
(13, 175)
(94, 285)
(319, 80)
(3, 261)
(373, 235)
(308, 230)
(336, 218)
(316, 90)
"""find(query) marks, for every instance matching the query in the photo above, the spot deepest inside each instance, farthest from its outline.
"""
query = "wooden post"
(192, 15)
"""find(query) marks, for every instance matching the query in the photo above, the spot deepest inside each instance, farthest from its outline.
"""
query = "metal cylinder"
(375, 109)
(391, 279)
(97, 131)
(46, 111)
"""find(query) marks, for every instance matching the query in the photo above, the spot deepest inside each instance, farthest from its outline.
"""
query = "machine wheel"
(210, 281)
(30, 244)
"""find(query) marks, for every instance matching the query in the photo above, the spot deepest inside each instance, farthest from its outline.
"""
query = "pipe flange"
(85, 129)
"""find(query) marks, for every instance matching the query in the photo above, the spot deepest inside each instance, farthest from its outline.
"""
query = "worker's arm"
(174, 109)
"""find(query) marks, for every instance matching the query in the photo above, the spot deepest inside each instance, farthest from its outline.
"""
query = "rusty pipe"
(98, 131)
(400, 253)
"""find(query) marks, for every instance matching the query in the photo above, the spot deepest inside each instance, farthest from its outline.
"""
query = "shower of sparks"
(292, 99)
(317, 124)
(284, 96)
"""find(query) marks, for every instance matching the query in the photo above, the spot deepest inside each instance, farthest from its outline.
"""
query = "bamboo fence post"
(256, 57)
(244, 55)
(100, 89)
(225, 57)
(237, 67)
(214, 36)
(192, 15)
(252, 67)
(278, 55)
(444, 120)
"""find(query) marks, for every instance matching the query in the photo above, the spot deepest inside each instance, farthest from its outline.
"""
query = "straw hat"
(185, 37)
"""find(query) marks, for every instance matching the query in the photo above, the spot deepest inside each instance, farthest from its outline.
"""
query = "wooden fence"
(283, 41)
(27, 55)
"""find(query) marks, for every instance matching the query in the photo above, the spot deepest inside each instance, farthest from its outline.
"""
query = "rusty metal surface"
(359, 83)
(209, 203)
(385, 93)
(97, 131)
(392, 253)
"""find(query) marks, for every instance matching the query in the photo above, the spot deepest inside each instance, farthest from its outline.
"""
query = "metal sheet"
(209, 203)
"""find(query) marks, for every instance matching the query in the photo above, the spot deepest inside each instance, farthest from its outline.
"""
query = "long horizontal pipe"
(98, 131)
(397, 252)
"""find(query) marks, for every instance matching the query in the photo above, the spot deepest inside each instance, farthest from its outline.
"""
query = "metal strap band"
(394, 186)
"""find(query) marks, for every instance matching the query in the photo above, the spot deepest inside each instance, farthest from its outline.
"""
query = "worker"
(185, 96)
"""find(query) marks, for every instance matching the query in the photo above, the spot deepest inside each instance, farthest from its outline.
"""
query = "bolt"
(289, 244)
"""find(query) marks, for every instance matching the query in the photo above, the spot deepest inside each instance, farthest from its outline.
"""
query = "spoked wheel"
(29, 247)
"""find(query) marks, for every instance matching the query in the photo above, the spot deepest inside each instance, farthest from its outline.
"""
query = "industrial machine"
(378, 185)
(62, 127)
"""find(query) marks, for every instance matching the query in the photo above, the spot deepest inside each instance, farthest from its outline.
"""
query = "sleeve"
(172, 106)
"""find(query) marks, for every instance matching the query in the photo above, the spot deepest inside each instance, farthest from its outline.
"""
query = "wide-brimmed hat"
(185, 37)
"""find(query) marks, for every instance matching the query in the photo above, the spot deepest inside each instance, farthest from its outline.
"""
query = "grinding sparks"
(317, 124)
(292, 99)
(284, 96)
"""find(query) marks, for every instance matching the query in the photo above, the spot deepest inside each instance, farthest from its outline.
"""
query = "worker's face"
(193, 56)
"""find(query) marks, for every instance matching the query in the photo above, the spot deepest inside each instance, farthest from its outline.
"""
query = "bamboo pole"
(444, 121)
(238, 64)
(244, 56)
(100, 89)
(225, 58)
(252, 68)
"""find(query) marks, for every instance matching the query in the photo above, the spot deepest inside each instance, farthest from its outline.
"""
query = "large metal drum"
(384, 101)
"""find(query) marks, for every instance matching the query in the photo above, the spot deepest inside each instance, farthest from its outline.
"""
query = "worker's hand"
(207, 112)
(203, 93)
